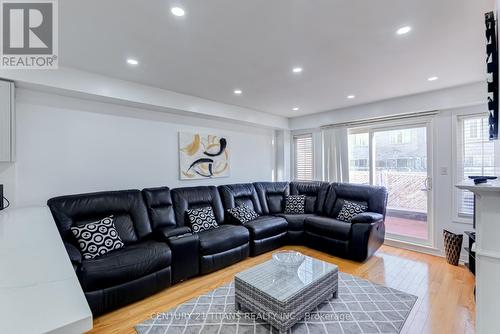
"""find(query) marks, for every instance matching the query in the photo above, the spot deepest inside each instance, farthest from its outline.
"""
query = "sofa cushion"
(315, 192)
(350, 210)
(74, 254)
(126, 206)
(266, 226)
(201, 219)
(272, 196)
(328, 227)
(374, 197)
(240, 194)
(295, 204)
(242, 214)
(124, 265)
(98, 238)
(339, 204)
(296, 222)
(195, 198)
(221, 239)
(160, 207)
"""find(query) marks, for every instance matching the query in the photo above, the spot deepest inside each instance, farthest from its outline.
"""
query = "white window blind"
(303, 157)
(477, 155)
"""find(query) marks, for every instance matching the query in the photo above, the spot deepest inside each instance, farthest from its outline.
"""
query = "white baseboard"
(422, 249)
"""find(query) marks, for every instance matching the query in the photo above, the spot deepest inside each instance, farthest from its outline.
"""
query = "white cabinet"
(487, 255)
(7, 122)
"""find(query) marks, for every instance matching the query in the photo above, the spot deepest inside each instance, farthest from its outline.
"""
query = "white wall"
(444, 185)
(68, 145)
(450, 102)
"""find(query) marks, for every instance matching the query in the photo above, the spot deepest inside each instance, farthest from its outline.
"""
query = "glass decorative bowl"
(288, 259)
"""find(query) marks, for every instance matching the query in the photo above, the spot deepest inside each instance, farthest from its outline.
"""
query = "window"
(360, 140)
(400, 137)
(476, 155)
(360, 164)
(474, 128)
(359, 153)
(303, 148)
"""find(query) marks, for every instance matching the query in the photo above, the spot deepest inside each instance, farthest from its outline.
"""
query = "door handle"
(428, 184)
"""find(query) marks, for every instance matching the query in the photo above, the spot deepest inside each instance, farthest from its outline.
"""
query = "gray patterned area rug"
(361, 307)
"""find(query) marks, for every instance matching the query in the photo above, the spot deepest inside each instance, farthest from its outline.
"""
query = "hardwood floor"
(445, 303)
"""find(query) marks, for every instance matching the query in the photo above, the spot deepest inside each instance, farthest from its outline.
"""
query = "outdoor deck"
(407, 227)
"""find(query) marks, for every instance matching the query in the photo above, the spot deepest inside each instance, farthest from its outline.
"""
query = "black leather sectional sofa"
(161, 250)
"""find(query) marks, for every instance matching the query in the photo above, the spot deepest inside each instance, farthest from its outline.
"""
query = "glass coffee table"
(282, 296)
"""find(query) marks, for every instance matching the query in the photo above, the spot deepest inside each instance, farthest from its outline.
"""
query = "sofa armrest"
(74, 254)
(367, 218)
(366, 238)
(164, 233)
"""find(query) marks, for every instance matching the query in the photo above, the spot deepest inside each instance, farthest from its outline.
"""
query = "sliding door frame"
(417, 122)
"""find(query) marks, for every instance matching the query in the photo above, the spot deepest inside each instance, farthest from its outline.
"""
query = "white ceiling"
(345, 47)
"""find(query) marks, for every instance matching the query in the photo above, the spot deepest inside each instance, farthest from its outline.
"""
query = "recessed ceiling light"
(238, 91)
(432, 78)
(350, 97)
(403, 30)
(131, 61)
(295, 108)
(177, 11)
(297, 69)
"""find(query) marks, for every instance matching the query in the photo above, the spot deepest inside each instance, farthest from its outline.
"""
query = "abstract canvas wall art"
(203, 156)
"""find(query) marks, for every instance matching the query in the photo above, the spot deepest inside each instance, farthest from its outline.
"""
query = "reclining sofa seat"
(357, 239)
(219, 247)
(139, 269)
(266, 232)
(315, 194)
(182, 242)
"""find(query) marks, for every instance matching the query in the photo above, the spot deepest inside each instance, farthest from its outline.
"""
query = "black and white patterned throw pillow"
(96, 239)
(295, 204)
(243, 214)
(349, 210)
(202, 219)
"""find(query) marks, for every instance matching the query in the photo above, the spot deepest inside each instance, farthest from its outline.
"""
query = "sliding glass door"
(398, 158)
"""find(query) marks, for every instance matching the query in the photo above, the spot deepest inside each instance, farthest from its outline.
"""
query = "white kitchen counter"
(39, 290)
